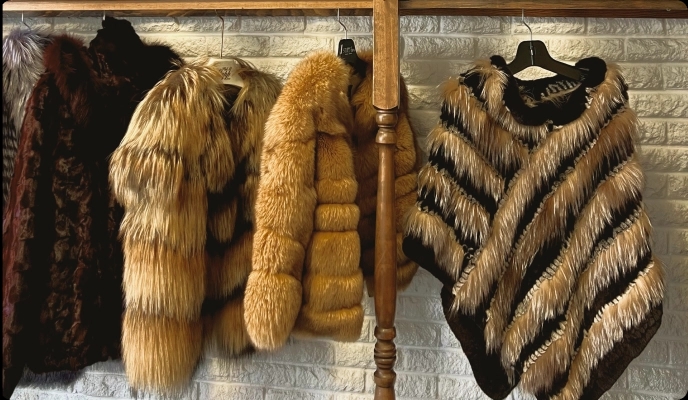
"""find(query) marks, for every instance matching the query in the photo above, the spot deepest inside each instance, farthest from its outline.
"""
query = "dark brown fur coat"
(62, 264)
(186, 174)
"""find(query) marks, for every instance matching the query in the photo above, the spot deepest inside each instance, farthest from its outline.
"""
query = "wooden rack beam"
(533, 8)
(548, 8)
(172, 8)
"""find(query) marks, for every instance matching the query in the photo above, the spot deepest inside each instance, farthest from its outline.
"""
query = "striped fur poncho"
(529, 211)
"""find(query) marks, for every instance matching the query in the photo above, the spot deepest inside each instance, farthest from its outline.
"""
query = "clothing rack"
(385, 89)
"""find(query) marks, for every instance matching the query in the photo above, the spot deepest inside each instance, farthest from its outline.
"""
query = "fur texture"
(530, 212)
(62, 263)
(315, 212)
(22, 65)
(185, 173)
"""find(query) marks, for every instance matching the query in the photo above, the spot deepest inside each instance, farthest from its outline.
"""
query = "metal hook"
(222, 33)
(343, 26)
(103, 15)
(523, 21)
(22, 20)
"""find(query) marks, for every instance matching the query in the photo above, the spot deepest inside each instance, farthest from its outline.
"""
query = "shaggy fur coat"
(530, 212)
(316, 203)
(62, 263)
(22, 65)
(186, 173)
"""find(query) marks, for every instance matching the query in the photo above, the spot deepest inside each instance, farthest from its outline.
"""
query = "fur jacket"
(22, 65)
(316, 203)
(530, 212)
(186, 173)
(62, 263)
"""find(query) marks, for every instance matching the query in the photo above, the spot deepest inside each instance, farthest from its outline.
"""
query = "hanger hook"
(532, 53)
(222, 33)
(343, 26)
(23, 22)
(523, 20)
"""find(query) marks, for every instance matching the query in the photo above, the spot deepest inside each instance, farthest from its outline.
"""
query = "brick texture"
(653, 54)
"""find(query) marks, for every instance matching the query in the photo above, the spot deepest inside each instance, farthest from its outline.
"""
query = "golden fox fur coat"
(315, 209)
(186, 173)
(530, 212)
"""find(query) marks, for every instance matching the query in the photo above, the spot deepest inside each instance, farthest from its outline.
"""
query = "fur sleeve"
(284, 209)
(176, 150)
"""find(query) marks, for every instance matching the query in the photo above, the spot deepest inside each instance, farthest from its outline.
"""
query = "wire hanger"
(25, 24)
(534, 53)
(229, 66)
(346, 50)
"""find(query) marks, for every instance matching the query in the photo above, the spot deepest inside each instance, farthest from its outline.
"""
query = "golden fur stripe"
(435, 234)
(499, 147)
(489, 262)
(550, 295)
(466, 158)
(605, 266)
(549, 221)
(621, 314)
(469, 216)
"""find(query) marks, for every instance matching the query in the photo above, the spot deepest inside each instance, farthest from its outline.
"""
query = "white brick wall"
(654, 54)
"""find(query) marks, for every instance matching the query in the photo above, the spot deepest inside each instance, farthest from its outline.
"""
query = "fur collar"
(532, 109)
(117, 64)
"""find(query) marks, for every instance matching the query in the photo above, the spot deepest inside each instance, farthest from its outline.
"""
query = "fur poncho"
(529, 211)
(186, 173)
(22, 65)
(315, 220)
(62, 263)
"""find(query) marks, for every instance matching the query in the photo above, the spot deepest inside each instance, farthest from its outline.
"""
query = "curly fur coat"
(22, 65)
(186, 173)
(530, 212)
(62, 263)
(316, 203)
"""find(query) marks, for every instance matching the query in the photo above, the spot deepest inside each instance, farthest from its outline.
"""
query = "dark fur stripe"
(440, 161)
(428, 201)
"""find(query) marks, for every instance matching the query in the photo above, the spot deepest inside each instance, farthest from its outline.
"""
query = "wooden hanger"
(534, 53)
(346, 50)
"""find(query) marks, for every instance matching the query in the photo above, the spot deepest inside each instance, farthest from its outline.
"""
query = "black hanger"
(346, 50)
(534, 53)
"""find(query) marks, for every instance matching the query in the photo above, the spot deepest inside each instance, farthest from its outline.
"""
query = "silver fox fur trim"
(22, 65)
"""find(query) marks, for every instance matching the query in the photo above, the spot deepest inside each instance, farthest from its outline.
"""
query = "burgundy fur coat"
(62, 263)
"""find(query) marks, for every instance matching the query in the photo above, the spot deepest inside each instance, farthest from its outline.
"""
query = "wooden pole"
(386, 101)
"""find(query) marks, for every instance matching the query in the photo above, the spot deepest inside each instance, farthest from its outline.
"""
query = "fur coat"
(22, 65)
(186, 173)
(530, 212)
(316, 203)
(62, 263)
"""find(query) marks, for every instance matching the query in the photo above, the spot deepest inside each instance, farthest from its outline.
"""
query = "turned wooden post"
(386, 101)
(385, 260)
